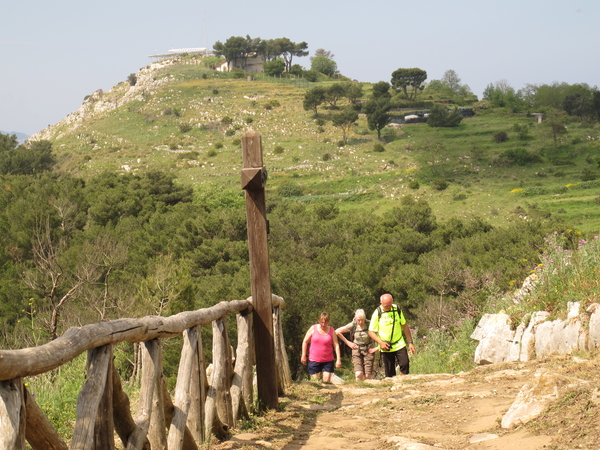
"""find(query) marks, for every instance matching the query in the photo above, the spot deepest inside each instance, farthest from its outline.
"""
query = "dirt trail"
(420, 412)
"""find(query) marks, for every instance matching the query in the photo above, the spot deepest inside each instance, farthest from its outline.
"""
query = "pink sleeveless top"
(321, 346)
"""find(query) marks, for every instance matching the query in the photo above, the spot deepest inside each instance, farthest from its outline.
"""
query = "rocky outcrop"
(536, 337)
(537, 395)
(101, 102)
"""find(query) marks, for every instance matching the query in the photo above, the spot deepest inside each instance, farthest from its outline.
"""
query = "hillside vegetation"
(132, 205)
(188, 120)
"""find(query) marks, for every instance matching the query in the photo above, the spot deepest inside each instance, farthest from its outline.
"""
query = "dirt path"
(420, 412)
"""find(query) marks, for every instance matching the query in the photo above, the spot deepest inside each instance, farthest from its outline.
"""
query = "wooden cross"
(254, 177)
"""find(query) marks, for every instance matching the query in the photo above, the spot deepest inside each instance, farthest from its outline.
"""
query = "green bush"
(439, 184)
(212, 152)
(413, 184)
(184, 127)
(518, 156)
(378, 148)
(311, 75)
(500, 136)
(218, 145)
(230, 132)
(248, 120)
(278, 150)
(326, 157)
(132, 79)
(226, 121)
(290, 189)
(588, 175)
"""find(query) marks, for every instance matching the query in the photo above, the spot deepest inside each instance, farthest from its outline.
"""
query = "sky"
(54, 53)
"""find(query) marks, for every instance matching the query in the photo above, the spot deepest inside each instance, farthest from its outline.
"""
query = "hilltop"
(189, 120)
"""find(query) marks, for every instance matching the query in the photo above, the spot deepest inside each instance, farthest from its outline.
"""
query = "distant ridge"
(21, 137)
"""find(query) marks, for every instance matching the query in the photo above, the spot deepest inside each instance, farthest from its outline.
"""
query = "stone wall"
(536, 336)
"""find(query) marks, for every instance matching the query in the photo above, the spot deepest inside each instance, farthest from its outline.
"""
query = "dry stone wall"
(536, 337)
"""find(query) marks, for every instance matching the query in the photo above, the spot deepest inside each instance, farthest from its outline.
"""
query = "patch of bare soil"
(419, 412)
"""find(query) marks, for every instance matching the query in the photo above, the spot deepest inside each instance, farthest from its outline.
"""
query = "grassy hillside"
(189, 120)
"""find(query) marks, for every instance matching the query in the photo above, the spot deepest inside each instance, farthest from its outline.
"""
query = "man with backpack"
(389, 329)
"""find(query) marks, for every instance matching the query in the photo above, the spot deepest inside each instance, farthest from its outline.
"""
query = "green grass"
(139, 135)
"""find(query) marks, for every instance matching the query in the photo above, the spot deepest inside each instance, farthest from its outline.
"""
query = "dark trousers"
(390, 359)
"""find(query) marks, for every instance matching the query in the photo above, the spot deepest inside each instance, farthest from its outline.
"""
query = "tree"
(452, 81)
(333, 93)
(353, 91)
(274, 67)
(313, 98)
(324, 65)
(410, 81)
(377, 111)
(439, 116)
(232, 50)
(322, 52)
(30, 159)
(8, 142)
(345, 120)
(555, 120)
(288, 49)
(381, 89)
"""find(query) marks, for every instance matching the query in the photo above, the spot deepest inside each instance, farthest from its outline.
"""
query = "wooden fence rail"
(200, 407)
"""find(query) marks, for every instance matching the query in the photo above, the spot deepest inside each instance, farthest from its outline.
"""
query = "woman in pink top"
(323, 341)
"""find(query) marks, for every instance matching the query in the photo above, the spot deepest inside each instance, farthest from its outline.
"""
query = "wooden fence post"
(254, 177)
(12, 415)
(197, 393)
(90, 415)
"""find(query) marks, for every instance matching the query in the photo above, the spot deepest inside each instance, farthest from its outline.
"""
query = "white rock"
(536, 395)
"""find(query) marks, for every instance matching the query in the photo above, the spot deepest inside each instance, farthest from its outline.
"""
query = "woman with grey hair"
(363, 347)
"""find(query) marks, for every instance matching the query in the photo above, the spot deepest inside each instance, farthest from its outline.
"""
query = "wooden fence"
(200, 406)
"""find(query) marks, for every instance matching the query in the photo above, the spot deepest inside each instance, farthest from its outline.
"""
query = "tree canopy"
(409, 81)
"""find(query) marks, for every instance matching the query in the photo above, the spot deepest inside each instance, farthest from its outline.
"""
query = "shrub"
(326, 157)
(439, 116)
(167, 112)
(378, 148)
(215, 92)
(212, 152)
(132, 79)
(320, 121)
(290, 189)
(588, 175)
(439, 184)
(518, 156)
(237, 142)
(218, 145)
(278, 150)
(500, 136)
(311, 75)
(341, 143)
(226, 120)
(177, 112)
(238, 73)
(184, 127)
(413, 184)
(230, 132)
(320, 130)
(248, 120)
(522, 130)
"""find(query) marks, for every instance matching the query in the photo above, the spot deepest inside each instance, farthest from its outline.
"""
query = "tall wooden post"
(254, 177)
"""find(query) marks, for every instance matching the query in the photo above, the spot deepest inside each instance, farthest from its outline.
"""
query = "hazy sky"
(54, 53)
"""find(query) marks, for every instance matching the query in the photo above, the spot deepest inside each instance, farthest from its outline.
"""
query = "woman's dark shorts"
(318, 367)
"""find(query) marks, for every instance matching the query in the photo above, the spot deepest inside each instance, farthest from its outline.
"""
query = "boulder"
(536, 395)
(495, 337)
(594, 325)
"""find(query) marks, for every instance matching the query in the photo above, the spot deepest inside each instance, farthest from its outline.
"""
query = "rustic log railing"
(200, 406)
